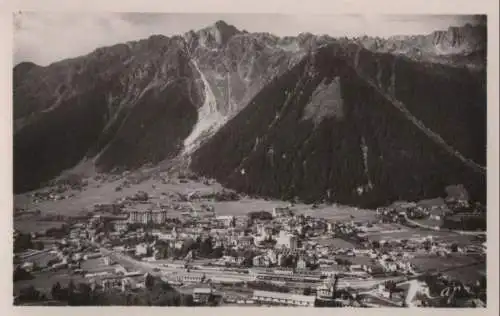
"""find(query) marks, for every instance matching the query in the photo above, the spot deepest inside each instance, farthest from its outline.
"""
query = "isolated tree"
(56, 290)
(390, 286)
(454, 247)
(206, 247)
(85, 294)
(71, 288)
(307, 291)
(217, 252)
(427, 245)
(38, 245)
(29, 294)
(149, 281)
(186, 300)
(21, 274)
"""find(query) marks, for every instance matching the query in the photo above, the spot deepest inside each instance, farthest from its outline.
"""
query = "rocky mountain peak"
(217, 34)
(462, 39)
(221, 25)
(149, 101)
(457, 45)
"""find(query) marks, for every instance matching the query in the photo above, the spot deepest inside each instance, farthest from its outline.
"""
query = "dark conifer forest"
(268, 149)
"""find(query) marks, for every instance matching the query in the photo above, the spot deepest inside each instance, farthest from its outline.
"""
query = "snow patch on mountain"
(209, 118)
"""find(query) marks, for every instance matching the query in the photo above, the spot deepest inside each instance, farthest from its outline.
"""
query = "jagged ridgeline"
(360, 121)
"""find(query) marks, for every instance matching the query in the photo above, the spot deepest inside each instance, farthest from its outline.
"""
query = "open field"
(403, 234)
(43, 281)
(356, 260)
(396, 231)
(435, 262)
(42, 258)
(33, 225)
(95, 265)
(469, 268)
(341, 213)
(468, 274)
(334, 242)
(428, 222)
(461, 240)
(385, 227)
(104, 192)
(330, 212)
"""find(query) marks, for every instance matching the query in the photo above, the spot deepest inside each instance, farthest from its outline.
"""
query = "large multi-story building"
(277, 298)
(265, 231)
(189, 277)
(148, 216)
(245, 241)
(226, 221)
(202, 295)
(287, 240)
(286, 276)
(282, 212)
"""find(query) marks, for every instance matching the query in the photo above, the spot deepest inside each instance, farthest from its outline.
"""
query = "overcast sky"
(44, 38)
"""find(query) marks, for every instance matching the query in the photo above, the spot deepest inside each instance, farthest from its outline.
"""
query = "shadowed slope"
(269, 149)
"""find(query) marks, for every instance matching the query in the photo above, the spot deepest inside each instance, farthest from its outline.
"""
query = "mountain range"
(361, 121)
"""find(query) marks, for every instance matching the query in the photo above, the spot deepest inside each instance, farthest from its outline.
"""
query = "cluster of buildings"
(277, 298)
(148, 216)
(296, 251)
(454, 212)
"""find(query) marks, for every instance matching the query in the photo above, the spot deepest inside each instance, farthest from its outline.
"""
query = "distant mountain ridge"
(464, 46)
(153, 100)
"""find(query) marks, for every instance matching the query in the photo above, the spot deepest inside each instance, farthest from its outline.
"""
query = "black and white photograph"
(250, 160)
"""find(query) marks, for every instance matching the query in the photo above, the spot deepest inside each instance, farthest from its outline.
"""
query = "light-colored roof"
(287, 296)
(245, 237)
(146, 210)
(202, 290)
(225, 217)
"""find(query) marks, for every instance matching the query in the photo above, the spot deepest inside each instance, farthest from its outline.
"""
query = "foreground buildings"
(276, 298)
(267, 258)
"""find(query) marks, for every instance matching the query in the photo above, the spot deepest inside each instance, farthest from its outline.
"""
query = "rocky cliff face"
(457, 46)
(234, 66)
(305, 116)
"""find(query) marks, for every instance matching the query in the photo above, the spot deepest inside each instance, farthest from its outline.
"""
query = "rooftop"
(203, 290)
(145, 210)
(286, 296)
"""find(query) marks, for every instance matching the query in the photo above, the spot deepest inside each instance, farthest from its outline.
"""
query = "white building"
(301, 264)
(261, 261)
(281, 211)
(141, 250)
(281, 259)
(148, 216)
(273, 257)
(283, 298)
(324, 290)
(227, 221)
(28, 266)
(265, 231)
(287, 240)
(108, 261)
(92, 256)
(189, 278)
